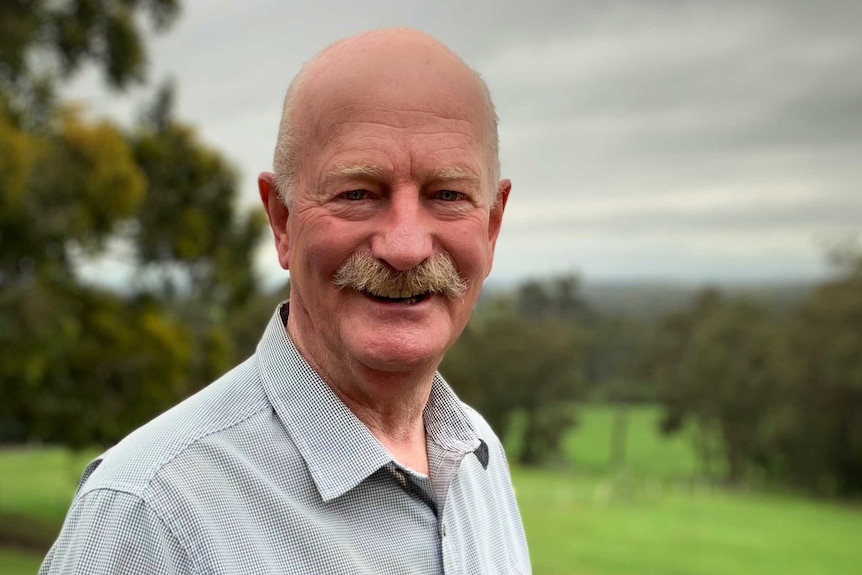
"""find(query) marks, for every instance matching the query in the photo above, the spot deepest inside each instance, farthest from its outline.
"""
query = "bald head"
(381, 69)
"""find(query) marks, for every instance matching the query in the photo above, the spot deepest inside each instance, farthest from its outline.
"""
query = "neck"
(399, 427)
(389, 403)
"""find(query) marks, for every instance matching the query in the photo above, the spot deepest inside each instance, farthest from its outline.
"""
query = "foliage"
(188, 220)
(779, 398)
(821, 443)
(62, 191)
(45, 37)
(82, 365)
(715, 363)
(521, 358)
(85, 366)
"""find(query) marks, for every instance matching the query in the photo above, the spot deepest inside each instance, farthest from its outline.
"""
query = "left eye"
(448, 195)
(354, 195)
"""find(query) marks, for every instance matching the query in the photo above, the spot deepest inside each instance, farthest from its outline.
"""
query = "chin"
(394, 354)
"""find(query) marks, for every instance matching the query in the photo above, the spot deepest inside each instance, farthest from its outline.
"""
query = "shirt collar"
(338, 449)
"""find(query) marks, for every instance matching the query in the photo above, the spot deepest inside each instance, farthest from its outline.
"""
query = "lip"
(403, 302)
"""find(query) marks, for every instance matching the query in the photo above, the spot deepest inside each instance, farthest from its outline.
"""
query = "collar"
(338, 448)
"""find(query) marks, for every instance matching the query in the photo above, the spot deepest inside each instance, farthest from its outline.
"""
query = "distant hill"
(650, 299)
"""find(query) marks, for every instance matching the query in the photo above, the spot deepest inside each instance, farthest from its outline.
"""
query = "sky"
(683, 141)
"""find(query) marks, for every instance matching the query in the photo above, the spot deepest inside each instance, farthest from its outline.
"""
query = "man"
(337, 448)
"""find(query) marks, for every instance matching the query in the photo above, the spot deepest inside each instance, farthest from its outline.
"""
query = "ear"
(277, 213)
(495, 218)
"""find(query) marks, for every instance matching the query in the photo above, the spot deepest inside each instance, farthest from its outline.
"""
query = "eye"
(354, 195)
(449, 195)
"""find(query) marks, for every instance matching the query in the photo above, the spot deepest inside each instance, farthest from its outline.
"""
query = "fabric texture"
(267, 471)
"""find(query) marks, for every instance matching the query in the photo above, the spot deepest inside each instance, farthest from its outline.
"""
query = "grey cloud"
(599, 100)
(805, 218)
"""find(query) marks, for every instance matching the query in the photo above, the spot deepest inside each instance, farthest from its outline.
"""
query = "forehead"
(394, 140)
(433, 131)
(411, 110)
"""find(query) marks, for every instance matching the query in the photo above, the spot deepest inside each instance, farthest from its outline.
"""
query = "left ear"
(495, 218)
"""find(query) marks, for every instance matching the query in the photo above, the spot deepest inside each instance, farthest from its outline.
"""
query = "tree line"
(771, 394)
(81, 364)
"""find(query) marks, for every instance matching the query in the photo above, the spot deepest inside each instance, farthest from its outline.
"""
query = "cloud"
(697, 137)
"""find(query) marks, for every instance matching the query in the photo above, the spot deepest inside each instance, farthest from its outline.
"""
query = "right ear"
(278, 213)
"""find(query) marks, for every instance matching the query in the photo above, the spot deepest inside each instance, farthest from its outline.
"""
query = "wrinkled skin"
(393, 160)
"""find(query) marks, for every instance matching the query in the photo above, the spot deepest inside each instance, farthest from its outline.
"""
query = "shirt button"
(443, 529)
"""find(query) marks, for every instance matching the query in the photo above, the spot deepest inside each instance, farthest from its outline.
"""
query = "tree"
(821, 439)
(779, 399)
(522, 367)
(64, 182)
(82, 364)
(193, 246)
(715, 364)
(86, 365)
(189, 219)
(39, 38)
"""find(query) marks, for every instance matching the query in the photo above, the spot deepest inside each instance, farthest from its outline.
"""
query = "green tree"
(189, 220)
(716, 364)
(821, 439)
(41, 38)
(86, 365)
(193, 246)
(519, 366)
(81, 364)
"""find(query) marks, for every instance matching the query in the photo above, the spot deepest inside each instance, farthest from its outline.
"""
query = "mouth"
(398, 297)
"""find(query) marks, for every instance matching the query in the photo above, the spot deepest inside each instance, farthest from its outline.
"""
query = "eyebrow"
(341, 172)
(356, 170)
(369, 171)
(450, 173)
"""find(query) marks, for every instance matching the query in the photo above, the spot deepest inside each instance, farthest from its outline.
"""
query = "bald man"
(337, 447)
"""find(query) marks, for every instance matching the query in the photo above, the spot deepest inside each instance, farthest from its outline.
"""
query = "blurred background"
(670, 344)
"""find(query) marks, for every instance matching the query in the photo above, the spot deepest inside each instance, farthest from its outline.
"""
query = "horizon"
(694, 143)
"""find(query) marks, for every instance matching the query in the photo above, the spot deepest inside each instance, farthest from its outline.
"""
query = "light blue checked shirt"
(267, 471)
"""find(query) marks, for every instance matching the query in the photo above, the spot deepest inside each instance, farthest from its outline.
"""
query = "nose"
(403, 240)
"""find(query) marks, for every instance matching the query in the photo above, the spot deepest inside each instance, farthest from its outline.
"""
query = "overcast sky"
(695, 141)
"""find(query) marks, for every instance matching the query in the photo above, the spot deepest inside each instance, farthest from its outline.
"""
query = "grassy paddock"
(647, 453)
(39, 483)
(596, 526)
(643, 519)
(13, 562)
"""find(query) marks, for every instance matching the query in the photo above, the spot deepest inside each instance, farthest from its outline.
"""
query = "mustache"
(437, 274)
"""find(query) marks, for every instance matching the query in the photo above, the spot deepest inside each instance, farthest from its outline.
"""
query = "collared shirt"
(267, 471)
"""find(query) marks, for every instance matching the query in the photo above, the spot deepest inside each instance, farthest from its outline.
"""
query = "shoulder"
(498, 462)
(482, 427)
(132, 465)
(114, 532)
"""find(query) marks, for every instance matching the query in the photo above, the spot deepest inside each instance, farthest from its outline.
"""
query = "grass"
(639, 519)
(593, 526)
(647, 453)
(13, 562)
(39, 483)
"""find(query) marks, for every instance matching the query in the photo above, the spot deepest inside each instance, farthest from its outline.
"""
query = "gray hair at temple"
(287, 152)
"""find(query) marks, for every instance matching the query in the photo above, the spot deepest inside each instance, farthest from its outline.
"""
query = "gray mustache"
(437, 274)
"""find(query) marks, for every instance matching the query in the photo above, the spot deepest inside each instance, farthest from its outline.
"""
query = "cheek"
(321, 246)
(471, 250)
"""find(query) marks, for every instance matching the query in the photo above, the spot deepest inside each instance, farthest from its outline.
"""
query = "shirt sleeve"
(113, 532)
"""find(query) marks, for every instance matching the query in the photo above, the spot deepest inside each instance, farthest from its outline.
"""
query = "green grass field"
(642, 520)
(596, 527)
(14, 562)
(647, 454)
